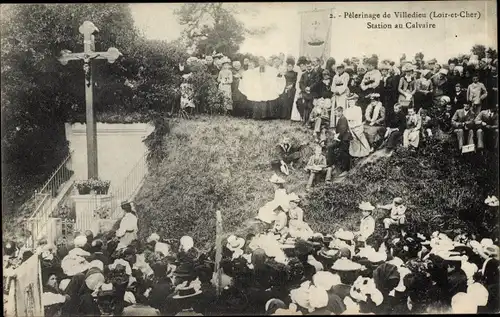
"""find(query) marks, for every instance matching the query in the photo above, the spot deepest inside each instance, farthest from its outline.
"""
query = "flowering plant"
(102, 212)
(100, 187)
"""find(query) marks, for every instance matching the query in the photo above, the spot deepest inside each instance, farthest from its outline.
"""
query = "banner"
(25, 293)
(315, 37)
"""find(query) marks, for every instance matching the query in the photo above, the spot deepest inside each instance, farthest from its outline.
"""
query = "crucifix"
(88, 29)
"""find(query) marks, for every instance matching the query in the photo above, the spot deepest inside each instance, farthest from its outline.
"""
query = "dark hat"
(290, 61)
(185, 269)
(335, 303)
(453, 61)
(125, 204)
(386, 277)
(10, 248)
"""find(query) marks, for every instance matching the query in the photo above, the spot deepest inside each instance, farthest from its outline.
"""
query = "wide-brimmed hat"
(398, 200)
(491, 201)
(371, 255)
(275, 179)
(326, 280)
(344, 264)
(94, 278)
(443, 71)
(72, 265)
(408, 67)
(234, 243)
(366, 206)
(185, 291)
(479, 293)
(80, 241)
(293, 197)
(344, 235)
(352, 96)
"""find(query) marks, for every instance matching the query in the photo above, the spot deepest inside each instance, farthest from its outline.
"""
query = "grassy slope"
(215, 159)
(227, 160)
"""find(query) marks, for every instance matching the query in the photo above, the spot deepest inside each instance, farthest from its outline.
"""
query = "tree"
(39, 94)
(213, 27)
(479, 50)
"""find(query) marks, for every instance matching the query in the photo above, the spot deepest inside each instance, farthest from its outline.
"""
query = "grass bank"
(222, 162)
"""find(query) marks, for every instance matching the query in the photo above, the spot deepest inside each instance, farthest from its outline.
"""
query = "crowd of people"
(358, 106)
(285, 269)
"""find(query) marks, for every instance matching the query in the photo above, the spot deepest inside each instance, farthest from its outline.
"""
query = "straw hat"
(326, 280)
(72, 265)
(344, 264)
(153, 237)
(479, 293)
(275, 179)
(491, 201)
(293, 197)
(352, 96)
(443, 71)
(234, 243)
(94, 278)
(344, 235)
(463, 303)
(185, 291)
(366, 206)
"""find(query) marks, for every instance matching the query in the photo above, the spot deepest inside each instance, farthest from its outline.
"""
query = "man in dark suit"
(463, 121)
(458, 98)
(344, 137)
(307, 85)
(486, 124)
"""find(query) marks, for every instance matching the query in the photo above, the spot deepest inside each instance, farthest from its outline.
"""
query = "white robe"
(266, 86)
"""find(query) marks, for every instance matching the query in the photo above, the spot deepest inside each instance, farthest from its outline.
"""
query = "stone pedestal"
(85, 205)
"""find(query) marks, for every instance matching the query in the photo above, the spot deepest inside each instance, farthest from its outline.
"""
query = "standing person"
(375, 121)
(406, 87)
(411, 135)
(340, 91)
(359, 146)
(330, 66)
(316, 63)
(391, 91)
(246, 62)
(476, 93)
(127, 231)
(290, 91)
(262, 87)
(344, 137)
(439, 82)
(301, 63)
(308, 82)
(237, 96)
(371, 81)
(225, 80)
(463, 121)
(211, 68)
(458, 98)
(423, 93)
(395, 128)
(324, 87)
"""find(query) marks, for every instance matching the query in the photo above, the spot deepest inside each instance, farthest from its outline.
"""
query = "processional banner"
(315, 39)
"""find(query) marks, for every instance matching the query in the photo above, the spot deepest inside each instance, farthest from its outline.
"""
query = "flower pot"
(84, 191)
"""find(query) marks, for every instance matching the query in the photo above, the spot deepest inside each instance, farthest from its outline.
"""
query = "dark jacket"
(397, 120)
(308, 79)
(342, 129)
(323, 90)
(457, 100)
(460, 118)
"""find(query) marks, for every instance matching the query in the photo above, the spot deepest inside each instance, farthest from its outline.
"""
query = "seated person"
(458, 98)
(426, 128)
(397, 216)
(463, 121)
(487, 126)
(367, 225)
(296, 225)
(319, 115)
(315, 165)
(286, 153)
(280, 224)
(395, 128)
(375, 120)
(411, 135)
(444, 119)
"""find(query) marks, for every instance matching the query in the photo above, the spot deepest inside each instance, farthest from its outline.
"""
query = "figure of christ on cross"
(88, 29)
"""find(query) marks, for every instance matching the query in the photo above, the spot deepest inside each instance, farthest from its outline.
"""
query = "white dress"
(295, 112)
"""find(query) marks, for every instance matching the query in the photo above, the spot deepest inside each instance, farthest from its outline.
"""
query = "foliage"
(155, 142)
(207, 96)
(211, 27)
(103, 212)
(481, 51)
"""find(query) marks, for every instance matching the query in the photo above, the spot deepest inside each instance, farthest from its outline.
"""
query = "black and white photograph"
(250, 158)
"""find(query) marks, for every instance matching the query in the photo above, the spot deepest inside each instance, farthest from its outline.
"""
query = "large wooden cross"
(88, 29)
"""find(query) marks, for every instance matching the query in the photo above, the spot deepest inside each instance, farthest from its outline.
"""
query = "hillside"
(227, 160)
